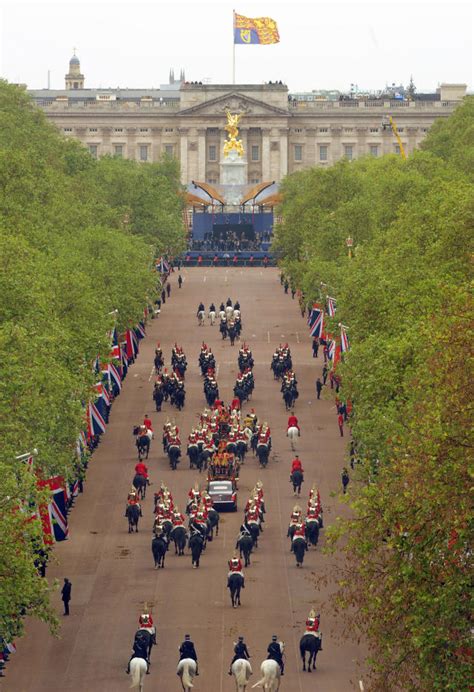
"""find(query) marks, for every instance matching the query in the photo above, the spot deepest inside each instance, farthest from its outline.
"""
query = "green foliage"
(77, 241)
(405, 296)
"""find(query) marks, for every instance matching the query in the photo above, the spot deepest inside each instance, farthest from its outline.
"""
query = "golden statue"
(232, 143)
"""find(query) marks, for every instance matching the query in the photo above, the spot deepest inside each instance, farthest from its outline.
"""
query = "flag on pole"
(331, 306)
(261, 30)
(115, 378)
(95, 422)
(344, 340)
(331, 347)
(115, 353)
(54, 515)
(140, 331)
(316, 322)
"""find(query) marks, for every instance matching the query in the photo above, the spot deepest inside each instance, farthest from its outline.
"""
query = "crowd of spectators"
(231, 242)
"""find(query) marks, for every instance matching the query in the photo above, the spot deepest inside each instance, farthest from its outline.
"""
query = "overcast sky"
(323, 45)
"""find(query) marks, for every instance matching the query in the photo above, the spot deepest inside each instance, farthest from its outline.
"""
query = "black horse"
(178, 535)
(174, 453)
(234, 585)
(159, 546)
(263, 451)
(133, 515)
(193, 454)
(299, 547)
(311, 644)
(196, 544)
(139, 483)
(213, 521)
(288, 397)
(296, 479)
(254, 532)
(158, 397)
(312, 531)
(245, 545)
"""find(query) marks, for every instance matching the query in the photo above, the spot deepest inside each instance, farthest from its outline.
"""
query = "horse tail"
(186, 677)
(241, 674)
(137, 672)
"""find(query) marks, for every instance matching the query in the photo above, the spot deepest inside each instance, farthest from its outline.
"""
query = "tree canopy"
(405, 298)
(78, 238)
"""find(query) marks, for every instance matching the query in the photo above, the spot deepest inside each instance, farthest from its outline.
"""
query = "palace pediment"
(236, 103)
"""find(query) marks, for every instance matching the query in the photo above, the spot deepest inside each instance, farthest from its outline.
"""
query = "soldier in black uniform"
(240, 651)
(187, 650)
(274, 652)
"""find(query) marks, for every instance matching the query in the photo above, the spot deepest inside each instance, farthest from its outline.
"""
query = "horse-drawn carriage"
(222, 478)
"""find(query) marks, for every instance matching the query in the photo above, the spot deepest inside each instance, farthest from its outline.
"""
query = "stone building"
(281, 132)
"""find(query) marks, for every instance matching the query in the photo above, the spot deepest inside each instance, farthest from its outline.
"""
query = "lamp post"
(349, 244)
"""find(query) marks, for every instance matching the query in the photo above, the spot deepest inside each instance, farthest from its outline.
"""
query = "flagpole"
(233, 46)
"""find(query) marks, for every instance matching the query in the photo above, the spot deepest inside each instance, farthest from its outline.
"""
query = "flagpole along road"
(112, 572)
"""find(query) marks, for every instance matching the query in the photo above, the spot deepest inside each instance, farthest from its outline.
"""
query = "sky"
(323, 45)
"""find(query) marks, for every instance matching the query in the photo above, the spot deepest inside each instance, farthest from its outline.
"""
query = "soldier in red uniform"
(141, 469)
(178, 519)
(235, 567)
(296, 464)
(147, 422)
(293, 421)
(312, 627)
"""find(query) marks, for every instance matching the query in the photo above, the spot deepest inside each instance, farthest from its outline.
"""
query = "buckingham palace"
(281, 131)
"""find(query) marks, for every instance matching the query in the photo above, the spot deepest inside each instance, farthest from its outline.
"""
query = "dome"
(74, 60)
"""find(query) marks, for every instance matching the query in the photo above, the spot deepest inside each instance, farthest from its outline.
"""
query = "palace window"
(324, 129)
(374, 150)
(348, 151)
(93, 150)
(118, 150)
(323, 152)
(255, 181)
(255, 152)
(212, 131)
(298, 152)
(348, 129)
(143, 152)
(169, 129)
(298, 130)
(92, 129)
(68, 129)
(212, 181)
(143, 129)
(169, 150)
(118, 129)
(374, 129)
(400, 129)
(212, 152)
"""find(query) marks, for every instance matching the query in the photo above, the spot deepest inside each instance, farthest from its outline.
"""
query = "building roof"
(74, 60)
(120, 94)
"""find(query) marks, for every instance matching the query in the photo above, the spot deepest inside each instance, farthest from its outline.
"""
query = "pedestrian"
(326, 353)
(293, 293)
(331, 379)
(66, 595)
(168, 289)
(199, 260)
(319, 386)
(163, 296)
(286, 286)
(180, 281)
(340, 422)
(315, 346)
(282, 279)
(325, 373)
(352, 453)
(345, 479)
(265, 262)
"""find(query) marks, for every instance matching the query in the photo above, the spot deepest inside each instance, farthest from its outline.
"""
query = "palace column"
(156, 133)
(283, 153)
(201, 176)
(183, 153)
(266, 155)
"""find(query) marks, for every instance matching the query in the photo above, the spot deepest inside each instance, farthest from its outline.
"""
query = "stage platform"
(227, 259)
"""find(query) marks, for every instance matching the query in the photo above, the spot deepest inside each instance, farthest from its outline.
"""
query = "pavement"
(112, 572)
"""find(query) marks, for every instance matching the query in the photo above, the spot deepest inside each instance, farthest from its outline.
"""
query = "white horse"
(222, 314)
(270, 682)
(241, 670)
(138, 671)
(229, 312)
(293, 433)
(186, 671)
(212, 317)
(201, 316)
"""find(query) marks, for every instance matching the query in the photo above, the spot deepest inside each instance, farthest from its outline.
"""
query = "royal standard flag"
(261, 30)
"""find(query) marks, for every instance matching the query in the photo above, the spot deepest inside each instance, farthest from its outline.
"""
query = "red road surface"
(112, 572)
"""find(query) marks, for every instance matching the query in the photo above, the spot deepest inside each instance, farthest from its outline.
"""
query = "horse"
(186, 671)
(270, 682)
(299, 547)
(229, 312)
(288, 398)
(312, 531)
(223, 328)
(178, 535)
(133, 515)
(263, 451)
(193, 454)
(158, 397)
(143, 446)
(159, 547)
(311, 644)
(213, 520)
(138, 668)
(174, 452)
(241, 670)
(212, 317)
(201, 316)
(235, 584)
(296, 479)
(139, 483)
(178, 397)
(245, 545)
(293, 433)
(196, 544)
(254, 529)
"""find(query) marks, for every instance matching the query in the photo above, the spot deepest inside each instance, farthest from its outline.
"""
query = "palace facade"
(281, 132)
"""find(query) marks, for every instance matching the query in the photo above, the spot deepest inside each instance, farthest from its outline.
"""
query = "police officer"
(275, 653)
(187, 650)
(240, 651)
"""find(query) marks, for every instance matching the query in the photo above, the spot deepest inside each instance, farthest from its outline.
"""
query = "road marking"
(204, 279)
(297, 337)
(268, 337)
(151, 373)
(217, 370)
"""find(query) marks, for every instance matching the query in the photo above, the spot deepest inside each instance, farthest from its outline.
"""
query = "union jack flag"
(162, 266)
(140, 330)
(132, 344)
(331, 348)
(344, 340)
(115, 378)
(115, 353)
(316, 322)
(95, 422)
(54, 515)
(331, 306)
